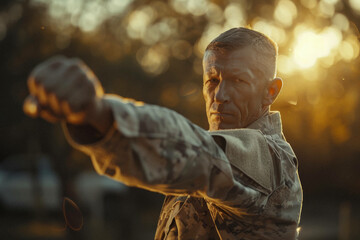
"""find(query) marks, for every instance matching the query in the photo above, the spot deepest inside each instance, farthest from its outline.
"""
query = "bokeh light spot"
(285, 12)
(355, 5)
(326, 9)
(139, 20)
(346, 50)
(341, 22)
(310, 46)
(214, 13)
(197, 7)
(340, 133)
(285, 65)
(181, 49)
(153, 60)
(235, 15)
(211, 31)
(276, 33)
(310, 4)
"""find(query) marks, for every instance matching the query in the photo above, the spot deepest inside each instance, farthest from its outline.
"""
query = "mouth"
(221, 114)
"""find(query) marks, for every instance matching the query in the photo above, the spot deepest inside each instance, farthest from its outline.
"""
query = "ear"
(272, 91)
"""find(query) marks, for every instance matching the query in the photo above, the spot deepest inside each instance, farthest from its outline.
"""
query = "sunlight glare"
(285, 12)
(332, 2)
(341, 22)
(285, 65)
(310, 4)
(235, 15)
(310, 46)
(355, 5)
(326, 9)
(349, 48)
(276, 33)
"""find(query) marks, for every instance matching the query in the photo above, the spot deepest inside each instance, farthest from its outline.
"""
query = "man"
(236, 181)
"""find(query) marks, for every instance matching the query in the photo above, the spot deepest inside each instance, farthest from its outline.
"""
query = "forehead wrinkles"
(216, 66)
(258, 67)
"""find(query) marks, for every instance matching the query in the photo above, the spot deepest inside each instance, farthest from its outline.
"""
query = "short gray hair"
(237, 38)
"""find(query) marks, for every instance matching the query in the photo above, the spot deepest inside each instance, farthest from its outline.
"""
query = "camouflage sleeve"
(158, 149)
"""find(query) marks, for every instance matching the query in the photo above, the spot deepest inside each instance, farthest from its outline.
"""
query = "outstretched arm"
(157, 149)
(141, 145)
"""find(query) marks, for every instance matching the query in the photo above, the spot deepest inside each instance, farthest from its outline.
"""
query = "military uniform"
(228, 184)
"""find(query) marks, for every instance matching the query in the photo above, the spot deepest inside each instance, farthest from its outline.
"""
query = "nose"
(221, 92)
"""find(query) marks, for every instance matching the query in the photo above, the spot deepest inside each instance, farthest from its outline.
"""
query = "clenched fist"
(66, 89)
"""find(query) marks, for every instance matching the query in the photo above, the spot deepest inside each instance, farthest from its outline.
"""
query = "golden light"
(153, 60)
(310, 4)
(311, 46)
(181, 49)
(195, 7)
(86, 14)
(285, 12)
(235, 15)
(274, 32)
(214, 13)
(355, 4)
(326, 9)
(211, 31)
(285, 65)
(349, 48)
(340, 21)
(139, 20)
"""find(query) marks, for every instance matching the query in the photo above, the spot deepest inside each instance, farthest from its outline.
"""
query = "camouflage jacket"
(228, 184)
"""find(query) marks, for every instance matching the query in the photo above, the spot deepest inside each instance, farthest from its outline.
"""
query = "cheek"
(208, 96)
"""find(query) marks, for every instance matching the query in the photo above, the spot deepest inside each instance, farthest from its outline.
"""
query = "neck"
(265, 111)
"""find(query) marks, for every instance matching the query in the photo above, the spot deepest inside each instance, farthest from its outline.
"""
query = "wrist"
(101, 118)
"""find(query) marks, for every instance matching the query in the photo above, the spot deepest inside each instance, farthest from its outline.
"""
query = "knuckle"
(74, 64)
(73, 67)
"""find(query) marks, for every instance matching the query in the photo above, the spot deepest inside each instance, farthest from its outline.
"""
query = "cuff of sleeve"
(85, 137)
(126, 123)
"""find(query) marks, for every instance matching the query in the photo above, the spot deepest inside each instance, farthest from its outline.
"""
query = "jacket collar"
(269, 124)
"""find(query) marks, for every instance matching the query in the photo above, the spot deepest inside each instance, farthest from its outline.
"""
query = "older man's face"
(233, 88)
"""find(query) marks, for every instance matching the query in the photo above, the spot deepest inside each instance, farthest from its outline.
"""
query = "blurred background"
(152, 51)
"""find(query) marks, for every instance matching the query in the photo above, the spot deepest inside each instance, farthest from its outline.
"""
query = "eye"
(212, 81)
